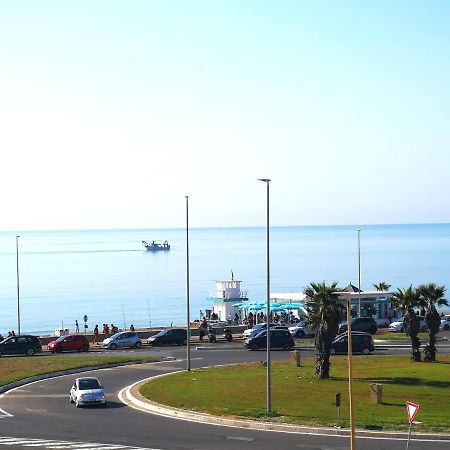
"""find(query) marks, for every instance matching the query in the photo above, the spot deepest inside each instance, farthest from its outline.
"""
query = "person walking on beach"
(96, 334)
(77, 327)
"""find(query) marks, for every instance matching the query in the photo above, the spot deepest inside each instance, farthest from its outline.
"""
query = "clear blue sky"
(112, 111)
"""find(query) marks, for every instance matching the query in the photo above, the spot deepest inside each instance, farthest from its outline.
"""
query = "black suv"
(279, 338)
(361, 343)
(366, 324)
(172, 336)
(23, 344)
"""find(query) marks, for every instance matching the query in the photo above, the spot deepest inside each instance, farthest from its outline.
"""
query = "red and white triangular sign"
(412, 409)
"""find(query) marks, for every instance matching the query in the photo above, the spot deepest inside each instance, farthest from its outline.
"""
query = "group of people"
(107, 331)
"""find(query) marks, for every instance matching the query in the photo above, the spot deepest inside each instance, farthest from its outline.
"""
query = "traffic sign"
(412, 409)
(85, 318)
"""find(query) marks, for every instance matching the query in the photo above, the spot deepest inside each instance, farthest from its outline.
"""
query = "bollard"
(296, 357)
(376, 393)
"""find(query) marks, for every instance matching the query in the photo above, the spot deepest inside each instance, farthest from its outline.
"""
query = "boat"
(156, 246)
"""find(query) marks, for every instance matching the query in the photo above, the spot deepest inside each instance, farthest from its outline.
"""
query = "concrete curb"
(45, 376)
(132, 397)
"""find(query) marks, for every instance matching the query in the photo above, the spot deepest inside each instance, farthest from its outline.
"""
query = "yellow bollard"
(296, 357)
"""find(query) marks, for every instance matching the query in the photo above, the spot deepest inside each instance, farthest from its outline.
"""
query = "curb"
(131, 396)
(45, 376)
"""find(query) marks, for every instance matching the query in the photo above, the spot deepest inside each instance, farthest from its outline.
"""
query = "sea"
(108, 276)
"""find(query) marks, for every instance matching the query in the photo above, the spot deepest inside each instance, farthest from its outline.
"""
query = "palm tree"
(430, 296)
(324, 315)
(382, 286)
(406, 300)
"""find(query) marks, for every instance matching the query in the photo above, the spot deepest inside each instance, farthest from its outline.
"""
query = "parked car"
(361, 343)
(24, 344)
(302, 330)
(87, 391)
(365, 324)
(123, 339)
(278, 339)
(445, 323)
(397, 325)
(250, 332)
(171, 336)
(69, 343)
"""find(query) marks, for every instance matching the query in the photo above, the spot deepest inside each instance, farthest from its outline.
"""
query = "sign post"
(411, 409)
(338, 406)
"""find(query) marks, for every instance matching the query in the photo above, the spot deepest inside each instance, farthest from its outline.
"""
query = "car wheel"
(138, 344)
(333, 351)
(159, 343)
(85, 348)
(184, 342)
(70, 399)
(373, 331)
(30, 351)
(300, 334)
(402, 330)
(113, 346)
(104, 405)
(59, 350)
(77, 404)
(365, 351)
(446, 327)
(254, 347)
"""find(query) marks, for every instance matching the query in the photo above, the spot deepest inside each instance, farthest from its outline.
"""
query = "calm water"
(109, 276)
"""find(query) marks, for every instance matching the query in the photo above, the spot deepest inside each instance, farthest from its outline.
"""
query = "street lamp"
(188, 347)
(359, 273)
(269, 401)
(18, 288)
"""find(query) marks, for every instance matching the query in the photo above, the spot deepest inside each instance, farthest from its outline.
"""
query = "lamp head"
(266, 180)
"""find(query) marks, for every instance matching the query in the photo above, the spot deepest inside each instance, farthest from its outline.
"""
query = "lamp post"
(359, 273)
(18, 288)
(188, 347)
(269, 388)
(350, 373)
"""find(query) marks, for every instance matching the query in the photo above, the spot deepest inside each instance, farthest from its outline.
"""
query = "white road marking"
(51, 444)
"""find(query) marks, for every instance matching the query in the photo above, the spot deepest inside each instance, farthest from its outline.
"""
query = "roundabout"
(39, 415)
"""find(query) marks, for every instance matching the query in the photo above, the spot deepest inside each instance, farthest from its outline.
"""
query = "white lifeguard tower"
(227, 294)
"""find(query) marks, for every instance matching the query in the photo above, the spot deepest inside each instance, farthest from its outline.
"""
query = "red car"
(69, 343)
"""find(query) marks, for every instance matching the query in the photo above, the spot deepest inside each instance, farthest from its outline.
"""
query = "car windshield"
(115, 336)
(60, 339)
(88, 383)
(161, 333)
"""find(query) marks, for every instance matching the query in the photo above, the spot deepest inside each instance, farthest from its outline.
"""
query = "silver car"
(87, 391)
(123, 339)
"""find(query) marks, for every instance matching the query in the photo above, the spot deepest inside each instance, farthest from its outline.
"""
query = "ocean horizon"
(108, 275)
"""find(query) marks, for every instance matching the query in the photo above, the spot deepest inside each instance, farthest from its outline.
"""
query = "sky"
(111, 112)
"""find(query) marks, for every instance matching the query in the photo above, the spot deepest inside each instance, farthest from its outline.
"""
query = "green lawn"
(299, 397)
(402, 337)
(17, 368)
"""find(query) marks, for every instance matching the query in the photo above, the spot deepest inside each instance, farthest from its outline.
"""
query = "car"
(361, 343)
(302, 330)
(69, 343)
(87, 391)
(250, 332)
(445, 323)
(278, 339)
(24, 344)
(396, 325)
(123, 339)
(366, 324)
(170, 336)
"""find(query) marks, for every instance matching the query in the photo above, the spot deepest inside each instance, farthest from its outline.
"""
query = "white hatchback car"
(445, 323)
(87, 391)
(123, 339)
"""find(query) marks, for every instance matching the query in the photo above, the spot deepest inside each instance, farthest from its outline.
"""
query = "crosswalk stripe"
(54, 445)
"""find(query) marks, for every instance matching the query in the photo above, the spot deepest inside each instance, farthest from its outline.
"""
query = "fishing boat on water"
(156, 246)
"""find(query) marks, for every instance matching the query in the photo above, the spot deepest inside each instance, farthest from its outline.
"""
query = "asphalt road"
(39, 415)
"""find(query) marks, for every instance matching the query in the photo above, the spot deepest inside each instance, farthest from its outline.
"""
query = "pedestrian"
(96, 334)
(77, 327)
(131, 327)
